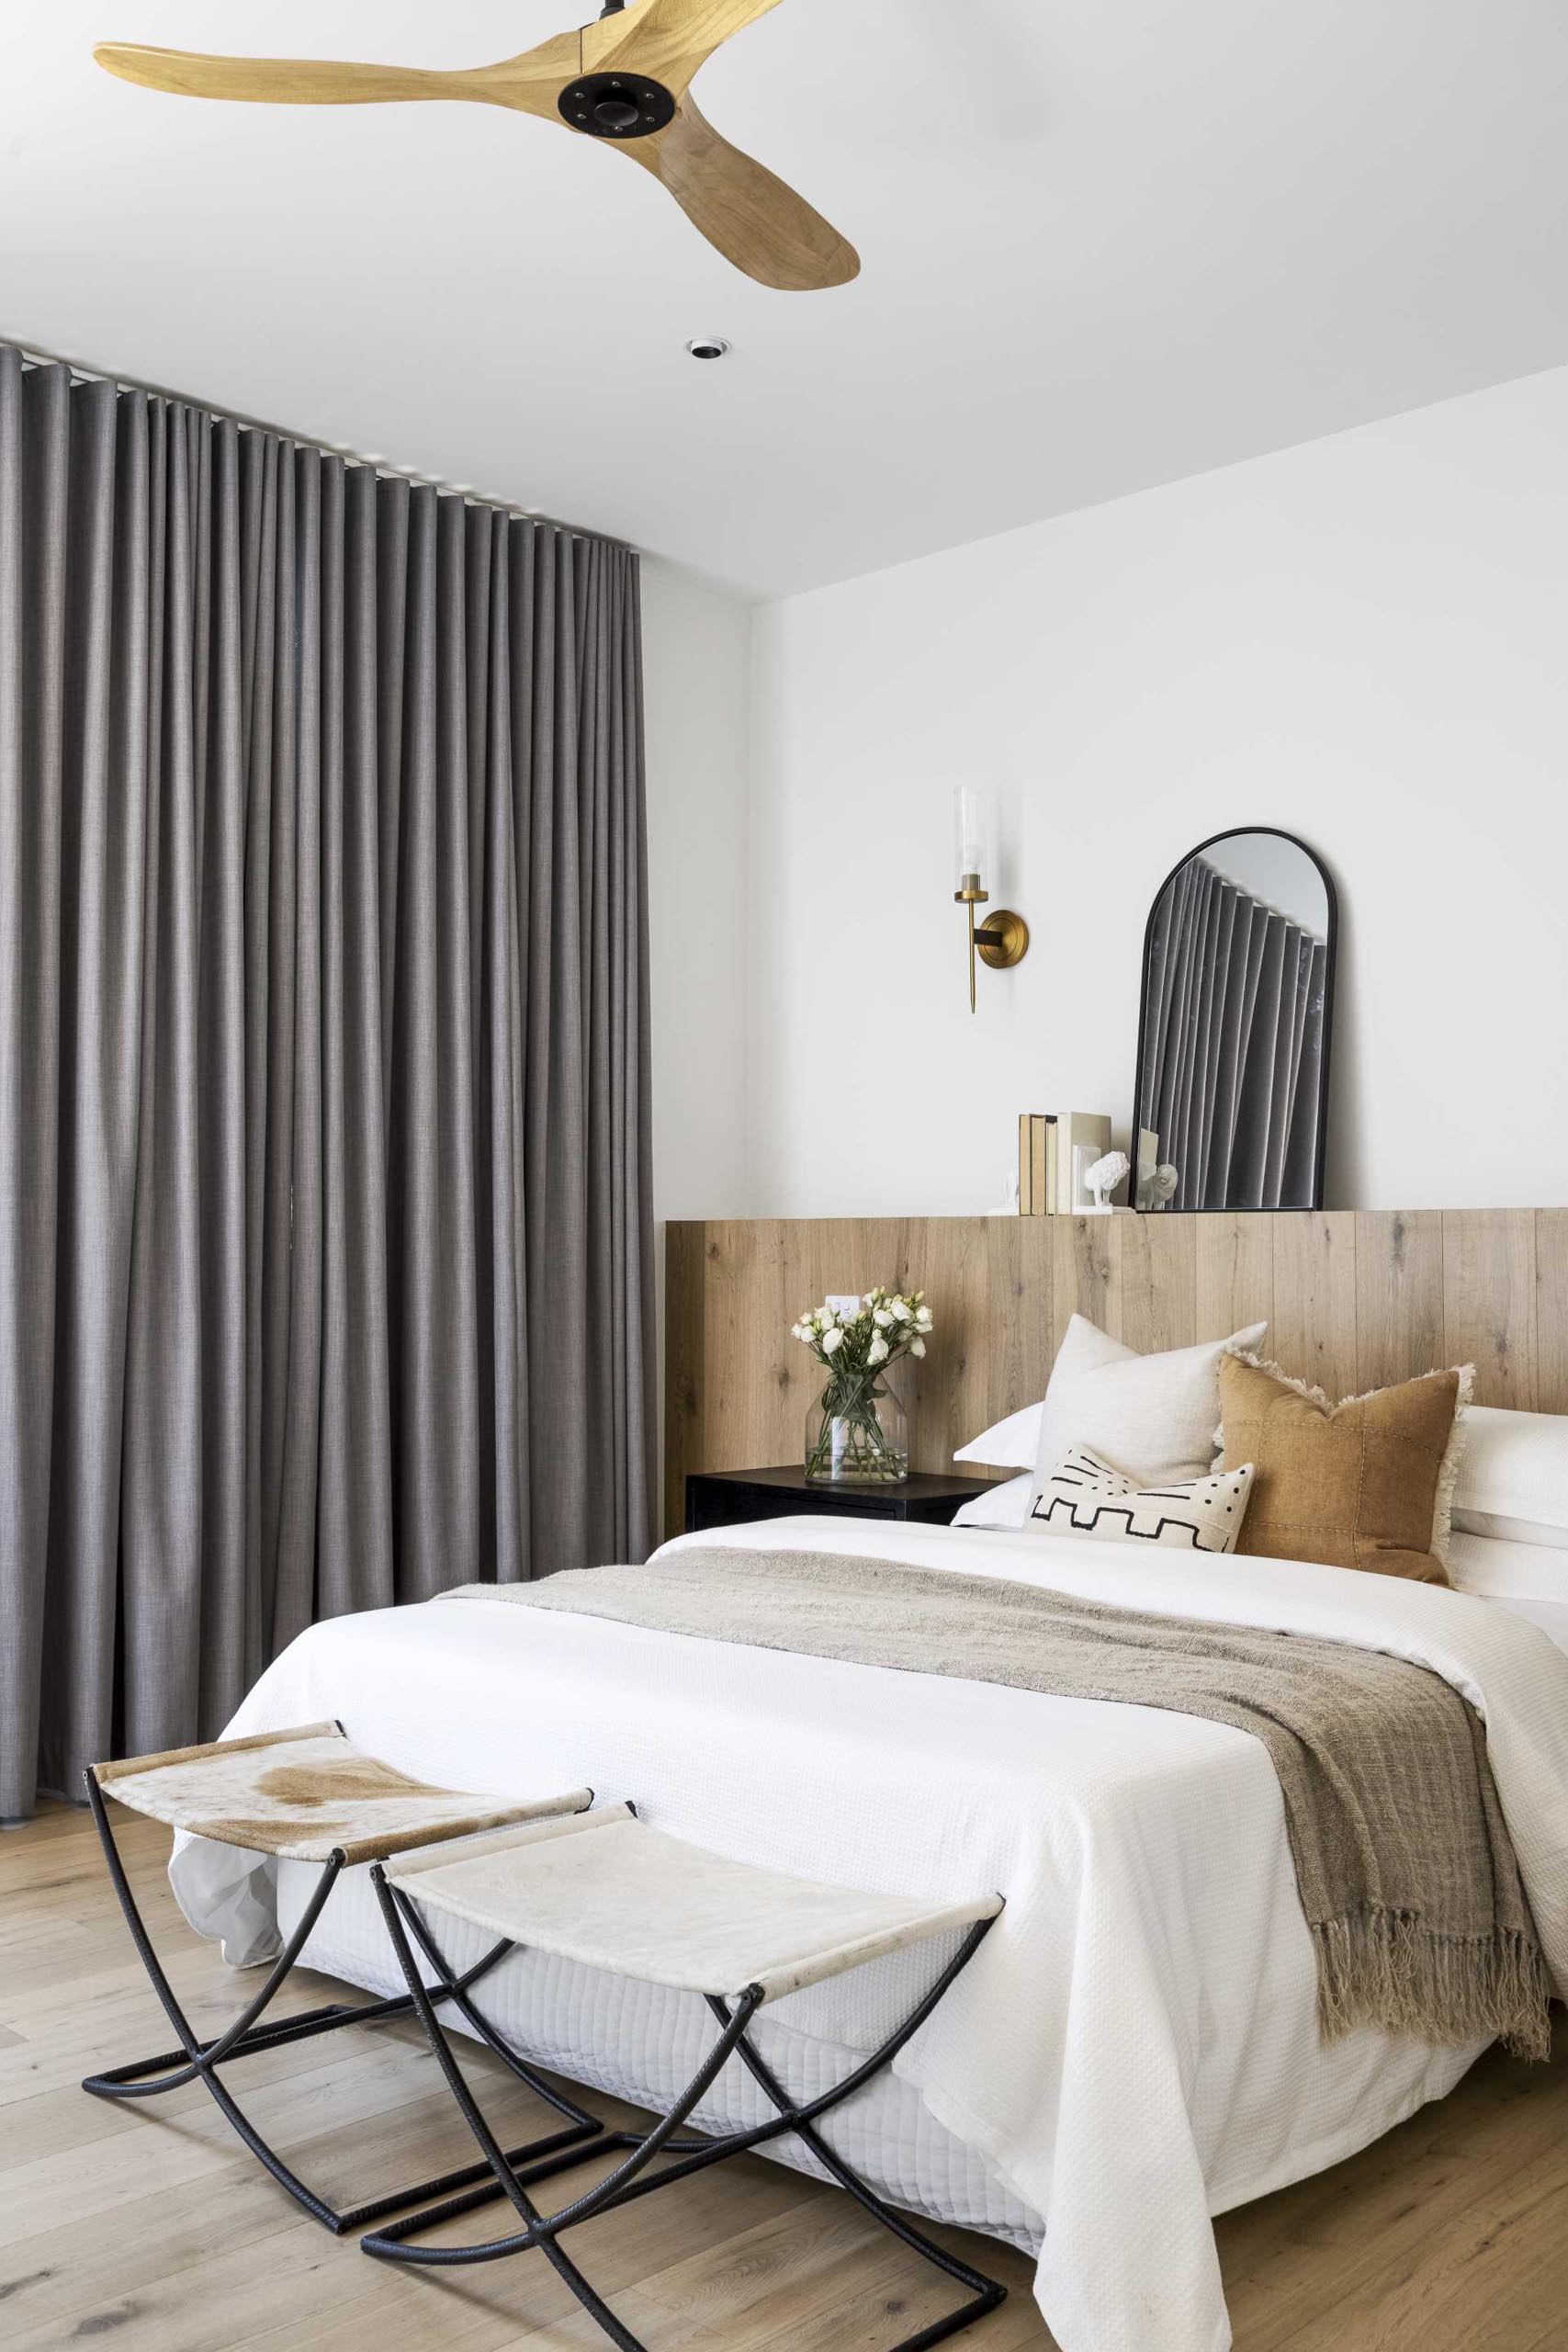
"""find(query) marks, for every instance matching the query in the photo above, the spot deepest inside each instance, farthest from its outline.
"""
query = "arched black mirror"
(1233, 1027)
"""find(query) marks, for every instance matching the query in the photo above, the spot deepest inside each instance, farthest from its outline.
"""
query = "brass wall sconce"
(1002, 939)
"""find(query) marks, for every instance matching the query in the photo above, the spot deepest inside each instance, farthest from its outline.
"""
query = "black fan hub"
(616, 106)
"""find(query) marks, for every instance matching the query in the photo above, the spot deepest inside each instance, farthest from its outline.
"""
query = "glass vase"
(857, 1434)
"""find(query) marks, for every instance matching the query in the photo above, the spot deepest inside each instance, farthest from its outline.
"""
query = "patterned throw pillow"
(1088, 1495)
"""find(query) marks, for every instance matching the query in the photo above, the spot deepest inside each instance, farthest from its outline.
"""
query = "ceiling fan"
(625, 78)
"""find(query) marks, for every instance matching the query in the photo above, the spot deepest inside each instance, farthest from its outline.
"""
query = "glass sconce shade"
(1002, 940)
(971, 839)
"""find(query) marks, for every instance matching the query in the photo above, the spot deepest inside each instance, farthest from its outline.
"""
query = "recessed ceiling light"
(708, 346)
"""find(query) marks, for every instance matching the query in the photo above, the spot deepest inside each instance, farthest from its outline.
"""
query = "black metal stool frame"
(630, 2179)
(197, 2061)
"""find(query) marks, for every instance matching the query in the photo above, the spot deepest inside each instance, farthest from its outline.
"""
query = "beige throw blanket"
(1407, 1873)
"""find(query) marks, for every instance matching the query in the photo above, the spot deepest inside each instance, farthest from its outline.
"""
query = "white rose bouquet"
(847, 1436)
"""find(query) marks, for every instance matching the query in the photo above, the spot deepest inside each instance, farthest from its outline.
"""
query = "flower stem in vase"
(855, 1430)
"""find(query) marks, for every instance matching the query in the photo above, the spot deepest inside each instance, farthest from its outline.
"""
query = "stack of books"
(1053, 1151)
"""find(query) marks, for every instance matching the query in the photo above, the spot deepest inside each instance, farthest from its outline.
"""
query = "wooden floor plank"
(1317, 2251)
(154, 2228)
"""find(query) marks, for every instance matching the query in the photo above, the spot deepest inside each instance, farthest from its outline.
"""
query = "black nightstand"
(726, 1497)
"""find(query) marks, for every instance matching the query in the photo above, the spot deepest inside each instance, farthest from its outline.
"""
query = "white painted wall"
(697, 659)
(696, 662)
(1364, 640)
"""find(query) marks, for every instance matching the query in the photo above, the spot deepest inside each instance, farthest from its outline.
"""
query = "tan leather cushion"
(1358, 1486)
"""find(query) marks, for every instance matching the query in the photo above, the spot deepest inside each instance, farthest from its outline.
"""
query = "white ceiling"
(1106, 244)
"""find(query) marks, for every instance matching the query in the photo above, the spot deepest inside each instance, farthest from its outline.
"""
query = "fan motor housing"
(616, 106)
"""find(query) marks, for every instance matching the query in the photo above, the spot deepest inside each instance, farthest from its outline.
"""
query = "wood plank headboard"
(1353, 1298)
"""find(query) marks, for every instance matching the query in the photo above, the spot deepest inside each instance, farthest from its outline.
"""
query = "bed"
(1135, 2049)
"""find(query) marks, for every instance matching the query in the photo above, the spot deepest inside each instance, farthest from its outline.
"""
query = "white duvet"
(1134, 2048)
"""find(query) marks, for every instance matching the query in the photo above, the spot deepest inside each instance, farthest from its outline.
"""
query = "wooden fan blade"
(743, 209)
(271, 81)
(667, 40)
(752, 217)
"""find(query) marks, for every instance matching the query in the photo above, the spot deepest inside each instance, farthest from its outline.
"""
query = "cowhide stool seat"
(605, 1889)
(307, 1795)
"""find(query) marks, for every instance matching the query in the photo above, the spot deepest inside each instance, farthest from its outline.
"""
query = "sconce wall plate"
(1002, 940)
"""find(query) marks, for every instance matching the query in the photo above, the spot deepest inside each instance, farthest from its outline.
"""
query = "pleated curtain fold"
(325, 1259)
(1233, 1045)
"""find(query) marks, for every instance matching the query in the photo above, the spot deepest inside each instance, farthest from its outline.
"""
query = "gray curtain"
(1233, 1045)
(326, 1274)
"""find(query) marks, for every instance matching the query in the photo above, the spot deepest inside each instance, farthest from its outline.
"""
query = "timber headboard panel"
(1354, 1298)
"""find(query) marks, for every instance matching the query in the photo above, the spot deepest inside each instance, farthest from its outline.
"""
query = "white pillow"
(1009, 1444)
(1513, 1480)
(1531, 1580)
(1155, 1415)
(1180, 1387)
(1499, 1570)
(1086, 1495)
(1005, 1507)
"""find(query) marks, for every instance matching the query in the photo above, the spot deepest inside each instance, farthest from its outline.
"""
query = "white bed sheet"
(1552, 1616)
(1136, 2047)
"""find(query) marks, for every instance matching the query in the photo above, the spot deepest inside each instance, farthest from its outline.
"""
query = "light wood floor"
(154, 2229)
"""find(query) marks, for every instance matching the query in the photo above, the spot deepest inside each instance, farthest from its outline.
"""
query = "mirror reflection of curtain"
(1233, 1056)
